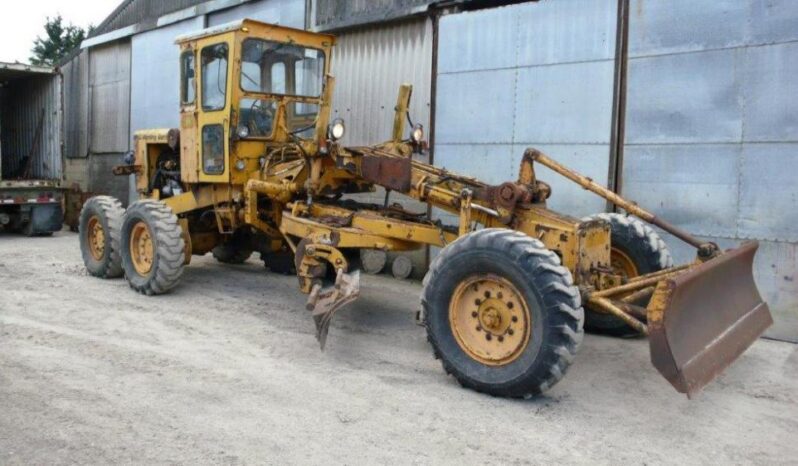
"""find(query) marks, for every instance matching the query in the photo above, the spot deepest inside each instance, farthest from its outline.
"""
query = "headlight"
(336, 129)
(243, 132)
(240, 165)
(417, 135)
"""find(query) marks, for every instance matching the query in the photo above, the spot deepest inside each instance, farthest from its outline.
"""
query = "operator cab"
(247, 86)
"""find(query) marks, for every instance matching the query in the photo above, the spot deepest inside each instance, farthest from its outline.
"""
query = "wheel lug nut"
(474, 314)
(479, 328)
(487, 294)
(510, 331)
(515, 319)
(477, 302)
(500, 295)
(510, 305)
(487, 336)
(501, 338)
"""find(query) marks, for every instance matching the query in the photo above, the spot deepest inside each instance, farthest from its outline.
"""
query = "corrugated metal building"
(687, 107)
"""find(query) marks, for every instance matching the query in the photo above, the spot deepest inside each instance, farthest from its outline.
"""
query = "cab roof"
(238, 25)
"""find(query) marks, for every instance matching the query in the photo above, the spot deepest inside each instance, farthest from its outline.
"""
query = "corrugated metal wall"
(533, 74)
(283, 12)
(335, 14)
(75, 75)
(711, 130)
(369, 65)
(109, 97)
(28, 103)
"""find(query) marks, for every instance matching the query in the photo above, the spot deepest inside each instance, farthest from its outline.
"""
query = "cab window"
(271, 67)
(187, 84)
(214, 77)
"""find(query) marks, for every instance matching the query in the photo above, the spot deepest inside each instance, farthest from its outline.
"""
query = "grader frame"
(280, 189)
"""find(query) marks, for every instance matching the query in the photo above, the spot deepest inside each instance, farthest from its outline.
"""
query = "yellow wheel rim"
(96, 238)
(142, 250)
(622, 264)
(490, 319)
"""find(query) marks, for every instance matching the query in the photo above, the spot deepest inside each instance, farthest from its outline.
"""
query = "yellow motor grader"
(257, 166)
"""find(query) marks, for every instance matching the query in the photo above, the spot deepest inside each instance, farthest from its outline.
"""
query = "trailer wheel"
(501, 313)
(153, 248)
(99, 229)
(636, 250)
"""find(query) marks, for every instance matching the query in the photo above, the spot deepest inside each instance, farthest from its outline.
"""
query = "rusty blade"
(332, 298)
(704, 319)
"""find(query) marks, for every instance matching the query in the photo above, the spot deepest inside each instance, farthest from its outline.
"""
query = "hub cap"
(622, 264)
(141, 248)
(96, 238)
(490, 319)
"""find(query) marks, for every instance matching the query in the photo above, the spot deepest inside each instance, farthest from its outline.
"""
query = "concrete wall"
(711, 130)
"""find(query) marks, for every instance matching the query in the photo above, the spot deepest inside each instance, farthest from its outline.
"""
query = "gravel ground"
(226, 370)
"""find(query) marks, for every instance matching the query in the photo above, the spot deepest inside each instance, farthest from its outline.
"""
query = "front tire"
(636, 249)
(501, 313)
(99, 229)
(153, 248)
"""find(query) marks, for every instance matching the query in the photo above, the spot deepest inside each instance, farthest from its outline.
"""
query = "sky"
(22, 20)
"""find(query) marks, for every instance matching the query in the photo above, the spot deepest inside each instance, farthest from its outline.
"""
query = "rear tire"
(637, 248)
(153, 248)
(281, 262)
(99, 229)
(236, 250)
(527, 294)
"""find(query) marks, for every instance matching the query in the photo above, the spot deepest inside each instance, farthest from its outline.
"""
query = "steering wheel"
(261, 117)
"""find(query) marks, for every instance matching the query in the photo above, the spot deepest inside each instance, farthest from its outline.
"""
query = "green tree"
(58, 41)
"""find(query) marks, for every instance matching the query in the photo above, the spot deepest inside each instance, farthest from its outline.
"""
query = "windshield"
(281, 68)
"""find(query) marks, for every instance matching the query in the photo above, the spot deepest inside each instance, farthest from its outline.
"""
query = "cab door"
(214, 117)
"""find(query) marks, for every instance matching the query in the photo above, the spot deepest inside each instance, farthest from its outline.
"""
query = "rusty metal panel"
(387, 172)
(76, 105)
(109, 96)
(283, 12)
(30, 116)
(369, 65)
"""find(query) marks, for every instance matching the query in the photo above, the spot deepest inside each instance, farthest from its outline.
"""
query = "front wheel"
(636, 250)
(501, 313)
(153, 248)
